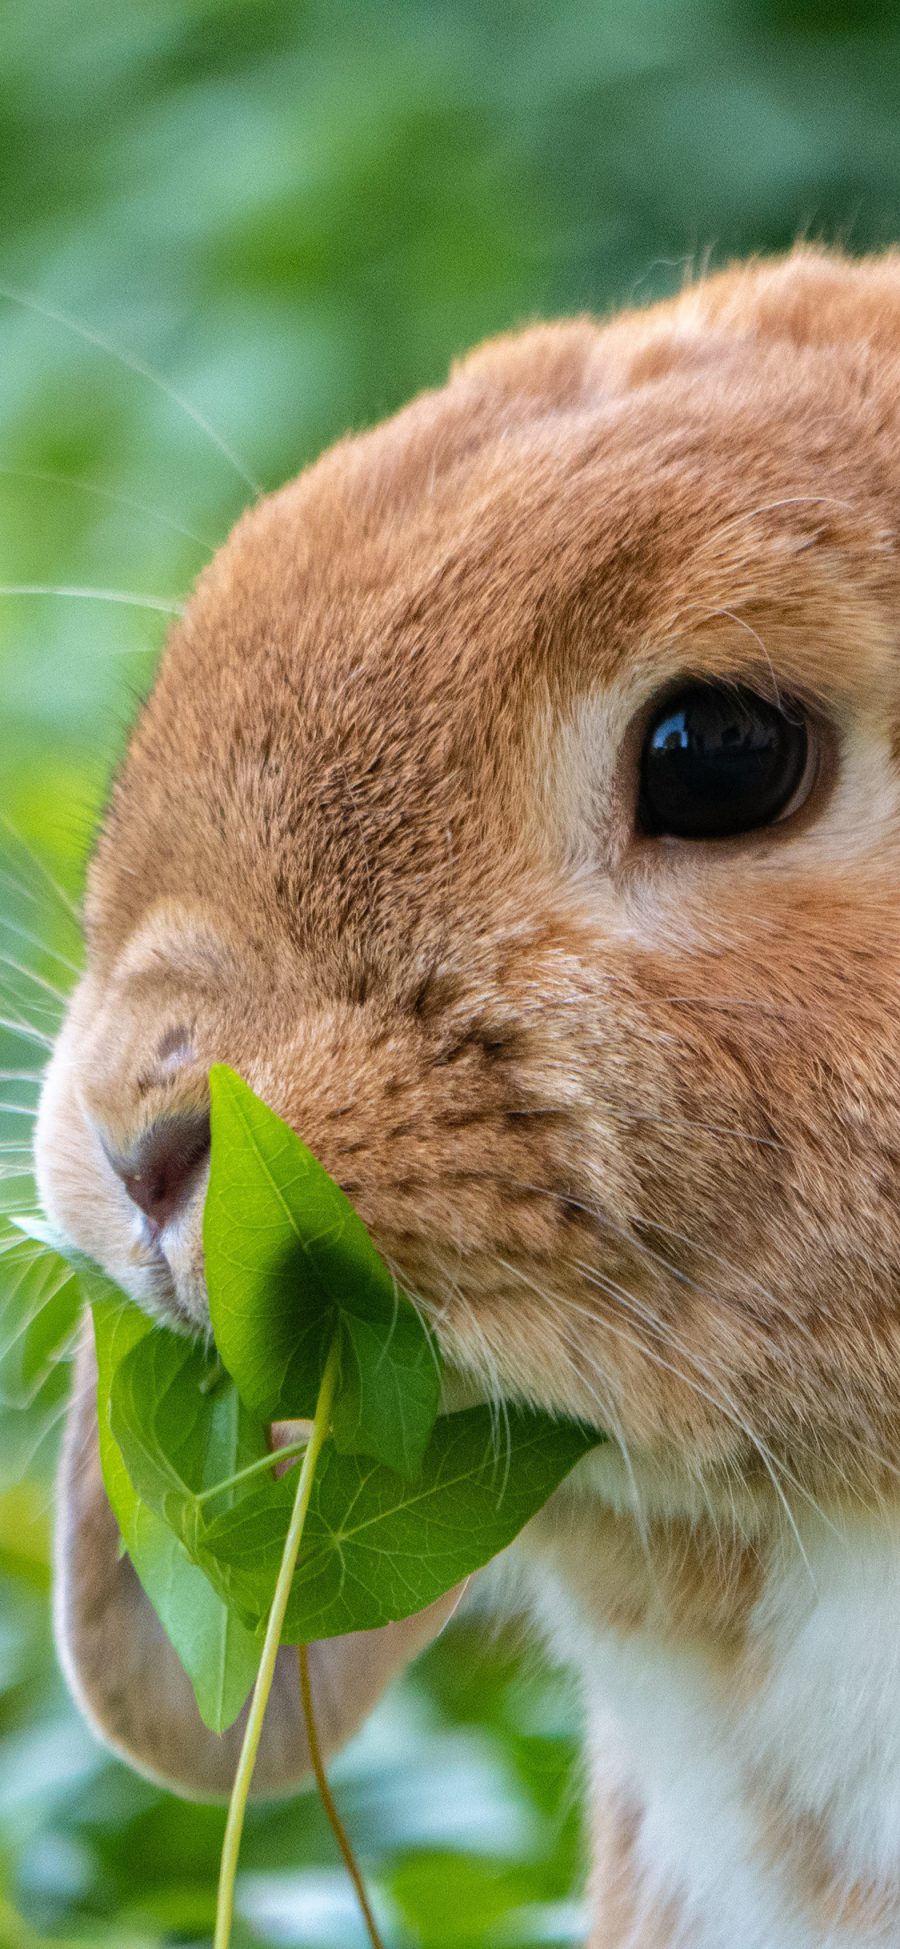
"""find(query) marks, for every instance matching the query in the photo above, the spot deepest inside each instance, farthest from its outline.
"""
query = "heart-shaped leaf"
(376, 1548)
(289, 1264)
(218, 1653)
(180, 1424)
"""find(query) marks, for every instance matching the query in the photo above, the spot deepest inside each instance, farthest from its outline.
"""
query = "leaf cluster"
(406, 1502)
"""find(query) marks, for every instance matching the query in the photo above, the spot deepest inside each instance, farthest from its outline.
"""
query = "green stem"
(253, 1732)
(328, 1801)
(270, 1461)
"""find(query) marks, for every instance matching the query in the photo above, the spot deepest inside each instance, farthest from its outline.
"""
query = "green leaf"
(180, 1424)
(289, 1264)
(40, 1304)
(402, 1507)
(219, 1654)
(389, 1387)
(33, 1226)
(376, 1548)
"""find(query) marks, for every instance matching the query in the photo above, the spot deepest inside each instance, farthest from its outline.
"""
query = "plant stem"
(273, 1460)
(325, 1795)
(253, 1731)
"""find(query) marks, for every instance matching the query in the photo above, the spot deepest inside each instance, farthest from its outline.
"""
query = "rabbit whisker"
(42, 474)
(137, 366)
(723, 1405)
(43, 947)
(59, 995)
(27, 1029)
(130, 598)
(43, 871)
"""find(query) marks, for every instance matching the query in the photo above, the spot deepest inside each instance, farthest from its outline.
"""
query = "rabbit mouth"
(534, 1299)
(162, 1296)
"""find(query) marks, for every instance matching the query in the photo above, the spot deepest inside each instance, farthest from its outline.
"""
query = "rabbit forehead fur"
(624, 1115)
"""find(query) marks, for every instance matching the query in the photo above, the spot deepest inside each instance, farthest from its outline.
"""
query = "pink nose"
(161, 1169)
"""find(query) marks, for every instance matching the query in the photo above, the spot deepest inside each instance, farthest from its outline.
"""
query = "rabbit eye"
(718, 760)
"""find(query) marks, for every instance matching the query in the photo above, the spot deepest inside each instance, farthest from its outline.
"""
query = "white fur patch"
(828, 1725)
(817, 1736)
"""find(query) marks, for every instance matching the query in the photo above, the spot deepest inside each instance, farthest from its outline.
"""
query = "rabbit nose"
(160, 1170)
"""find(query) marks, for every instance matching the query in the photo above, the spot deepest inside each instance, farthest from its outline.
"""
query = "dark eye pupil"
(719, 761)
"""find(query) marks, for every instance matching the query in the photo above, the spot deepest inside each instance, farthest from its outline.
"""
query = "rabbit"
(517, 809)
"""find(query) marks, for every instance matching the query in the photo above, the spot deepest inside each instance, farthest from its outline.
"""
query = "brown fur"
(622, 1915)
(373, 845)
(823, 1892)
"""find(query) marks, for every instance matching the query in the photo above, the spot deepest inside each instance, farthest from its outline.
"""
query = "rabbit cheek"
(786, 1181)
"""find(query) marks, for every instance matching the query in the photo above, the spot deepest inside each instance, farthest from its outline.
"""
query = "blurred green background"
(294, 215)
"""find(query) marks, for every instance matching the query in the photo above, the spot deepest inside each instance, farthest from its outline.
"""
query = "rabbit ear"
(130, 1684)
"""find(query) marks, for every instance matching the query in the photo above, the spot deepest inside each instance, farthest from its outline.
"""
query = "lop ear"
(127, 1679)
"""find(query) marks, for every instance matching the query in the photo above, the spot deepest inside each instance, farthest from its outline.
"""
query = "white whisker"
(639, 1245)
(22, 890)
(751, 1002)
(166, 605)
(42, 474)
(45, 1433)
(721, 1399)
(60, 995)
(770, 507)
(132, 364)
(40, 866)
(710, 615)
(711, 1129)
(484, 1360)
(22, 1328)
(609, 1419)
(723, 1405)
(34, 940)
(18, 1242)
(27, 1029)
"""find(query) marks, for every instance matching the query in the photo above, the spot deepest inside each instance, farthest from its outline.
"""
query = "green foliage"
(298, 215)
(378, 1539)
(383, 1536)
(375, 1548)
(41, 1304)
(138, 1398)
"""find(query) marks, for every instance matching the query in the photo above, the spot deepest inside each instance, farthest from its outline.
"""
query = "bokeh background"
(229, 231)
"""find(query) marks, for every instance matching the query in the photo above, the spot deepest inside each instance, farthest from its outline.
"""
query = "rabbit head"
(517, 809)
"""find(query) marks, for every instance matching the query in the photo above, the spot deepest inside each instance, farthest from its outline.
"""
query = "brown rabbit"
(518, 809)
